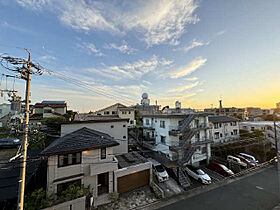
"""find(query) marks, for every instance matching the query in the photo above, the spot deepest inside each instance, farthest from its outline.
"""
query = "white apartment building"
(266, 126)
(179, 137)
(50, 108)
(223, 128)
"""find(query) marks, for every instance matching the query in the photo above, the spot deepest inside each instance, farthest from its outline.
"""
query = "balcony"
(174, 131)
(201, 126)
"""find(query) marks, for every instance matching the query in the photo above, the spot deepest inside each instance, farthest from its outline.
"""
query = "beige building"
(48, 109)
(85, 157)
(115, 127)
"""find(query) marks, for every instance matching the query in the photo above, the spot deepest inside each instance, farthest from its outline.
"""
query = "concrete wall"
(118, 132)
(226, 130)
(127, 114)
(77, 204)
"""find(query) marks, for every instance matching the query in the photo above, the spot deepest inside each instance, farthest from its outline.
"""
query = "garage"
(133, 181)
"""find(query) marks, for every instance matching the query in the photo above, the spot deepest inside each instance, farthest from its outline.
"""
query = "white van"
(159, 170)
(232, 159)
(249, 157)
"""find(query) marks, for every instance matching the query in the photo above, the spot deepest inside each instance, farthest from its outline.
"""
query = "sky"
(101, 52)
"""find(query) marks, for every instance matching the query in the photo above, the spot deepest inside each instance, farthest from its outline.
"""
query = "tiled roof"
(222, 119)
(52, 105)
(80, 140)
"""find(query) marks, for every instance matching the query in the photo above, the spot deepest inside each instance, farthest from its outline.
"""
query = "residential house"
(266, 126)
(177, 109)
(114, 126)
(115, 110)
(223, 128)
(48, 109)
(251, 112)
(183, 138)
(85, 157)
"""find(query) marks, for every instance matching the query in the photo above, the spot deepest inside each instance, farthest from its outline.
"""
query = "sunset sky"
(196, 52)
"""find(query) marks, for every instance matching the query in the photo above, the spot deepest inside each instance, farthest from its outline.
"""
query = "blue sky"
(193, 51)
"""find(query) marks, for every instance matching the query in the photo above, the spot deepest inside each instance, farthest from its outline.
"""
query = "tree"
(53, 124)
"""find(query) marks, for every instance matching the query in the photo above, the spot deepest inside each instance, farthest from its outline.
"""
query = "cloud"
(191, 78)
(47, 58)
(190, 68)
(131, 70)
(157, 21)
(193, 44)
(183, 88)
(89, 48)
(123, 48)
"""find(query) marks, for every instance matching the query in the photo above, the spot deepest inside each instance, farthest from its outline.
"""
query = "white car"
(236, 160)
(251, 158)
(159, 170)
(198, 174)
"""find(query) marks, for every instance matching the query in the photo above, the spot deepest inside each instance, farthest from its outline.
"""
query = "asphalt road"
(259, 191)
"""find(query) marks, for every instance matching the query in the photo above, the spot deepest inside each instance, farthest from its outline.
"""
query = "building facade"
(115, 127)
(179, 137)
(223, 128)
(50, 108)
(266, 126)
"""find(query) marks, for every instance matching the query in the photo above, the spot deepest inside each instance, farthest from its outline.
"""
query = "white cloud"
(89, 48)
(47, 58)
(191, 67)
(123, 48)
(131, 70)
(158, 21)
(193, 44)
(183, 88)
(191, 78)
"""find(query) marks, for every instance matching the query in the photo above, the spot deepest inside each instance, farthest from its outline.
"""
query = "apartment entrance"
(103, 183)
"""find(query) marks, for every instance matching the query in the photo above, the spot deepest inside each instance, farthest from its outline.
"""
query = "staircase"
(186, 123)
(187, 156)
(187, 137)
(183, 178)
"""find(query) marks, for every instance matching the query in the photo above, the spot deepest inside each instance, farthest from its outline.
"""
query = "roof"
(116, 104)
(130, 159)
(53, 102)
(52, 105)
(222, 119)
(9, 175)
(99, 119)
(80, 140)
(174, 115)
(87, 117)
(36, 116)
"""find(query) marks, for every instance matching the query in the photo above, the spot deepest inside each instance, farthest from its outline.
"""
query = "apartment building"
(179, 137)
(223, 128)
(266, 126)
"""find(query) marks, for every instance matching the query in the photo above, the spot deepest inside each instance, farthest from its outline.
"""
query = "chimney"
(221, 106)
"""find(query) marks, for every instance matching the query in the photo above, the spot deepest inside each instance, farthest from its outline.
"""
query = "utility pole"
(25, 68)
(27, 99)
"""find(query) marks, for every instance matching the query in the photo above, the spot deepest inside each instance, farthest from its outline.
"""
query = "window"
(112, 126)
(131, 122)
(216, 134)
(0, 111)
(47, 111)
(147, 122)
(129, 112)
(124, 126)
(114, 112)
(69, 159)
(107, 112)
(162, 124)
(124, 137)
(62, 187)
(221, 135)
(103, 153)
(235, 131)
(232, 133)
(203, 150)
(220, 124)
(216, 125)
(233, 123)
(162, 139)
(123, 112)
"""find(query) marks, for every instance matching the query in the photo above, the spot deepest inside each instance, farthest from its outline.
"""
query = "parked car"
(198, 174)
(245, 160)
(249, 157)
(236, 160)
(159, 170)
(220, 168)
(9, 142)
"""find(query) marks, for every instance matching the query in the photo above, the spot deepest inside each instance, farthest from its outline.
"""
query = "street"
(259, 191)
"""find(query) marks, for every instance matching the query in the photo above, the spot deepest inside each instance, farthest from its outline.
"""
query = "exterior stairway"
(187, 156)
(183, 178)
(186, 123)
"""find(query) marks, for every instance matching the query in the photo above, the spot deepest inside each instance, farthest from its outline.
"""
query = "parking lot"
(170, 187)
